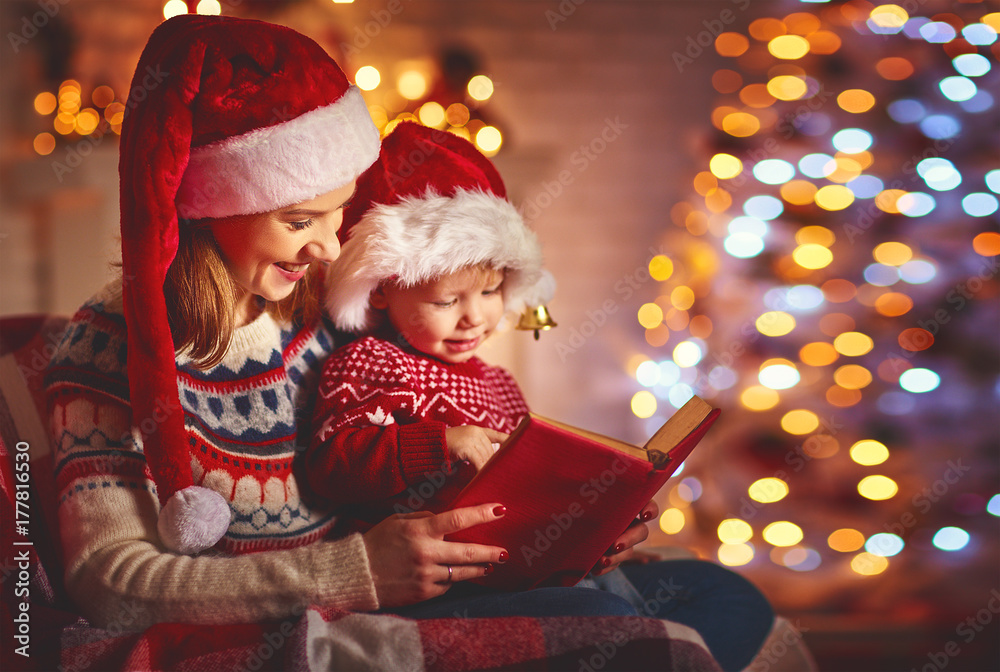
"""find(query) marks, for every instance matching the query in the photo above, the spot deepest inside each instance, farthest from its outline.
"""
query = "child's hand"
(472, 443)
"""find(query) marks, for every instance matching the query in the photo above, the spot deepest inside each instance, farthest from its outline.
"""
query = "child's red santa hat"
(225, 117)
(431, 205)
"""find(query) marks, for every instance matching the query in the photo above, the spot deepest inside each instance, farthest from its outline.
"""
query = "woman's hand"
(472, 443)
(410, 559)
(622, 549)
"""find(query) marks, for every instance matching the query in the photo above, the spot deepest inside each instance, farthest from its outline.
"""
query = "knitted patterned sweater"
(244, 419)
(382, 413)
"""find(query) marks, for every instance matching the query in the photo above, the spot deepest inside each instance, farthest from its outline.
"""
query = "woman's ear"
(378, 299)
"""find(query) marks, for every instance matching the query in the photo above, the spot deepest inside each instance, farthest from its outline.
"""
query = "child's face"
(447, 318)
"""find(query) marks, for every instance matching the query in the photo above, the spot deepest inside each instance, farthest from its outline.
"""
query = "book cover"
(570, 493)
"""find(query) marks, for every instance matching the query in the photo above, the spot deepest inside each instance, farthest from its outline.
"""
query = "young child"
(435, 256)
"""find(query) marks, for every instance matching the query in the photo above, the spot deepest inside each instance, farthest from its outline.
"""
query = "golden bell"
(536, 319)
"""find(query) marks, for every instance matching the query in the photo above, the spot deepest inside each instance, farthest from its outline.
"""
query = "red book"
(570, 493)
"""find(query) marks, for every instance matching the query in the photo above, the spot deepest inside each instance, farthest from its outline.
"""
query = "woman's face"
(268, 253)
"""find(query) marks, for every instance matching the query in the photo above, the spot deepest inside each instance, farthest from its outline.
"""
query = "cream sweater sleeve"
(119, 576)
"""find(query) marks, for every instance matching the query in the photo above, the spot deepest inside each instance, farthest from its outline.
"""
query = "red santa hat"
(225, 117)
(431, 205)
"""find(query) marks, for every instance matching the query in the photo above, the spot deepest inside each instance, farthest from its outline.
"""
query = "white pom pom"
(194, 519)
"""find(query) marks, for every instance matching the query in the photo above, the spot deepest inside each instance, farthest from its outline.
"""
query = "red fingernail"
(646, 515)
(503, 557)
(499, 510)
(606, 562)
(619, 548)
(489, 569)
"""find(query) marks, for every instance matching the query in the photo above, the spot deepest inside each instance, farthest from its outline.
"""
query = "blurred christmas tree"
(834, 290)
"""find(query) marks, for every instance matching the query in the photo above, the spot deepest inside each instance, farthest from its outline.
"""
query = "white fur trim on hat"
(276, 166)
(419, 239)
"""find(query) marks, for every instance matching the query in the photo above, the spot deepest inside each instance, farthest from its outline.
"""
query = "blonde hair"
(201, 297)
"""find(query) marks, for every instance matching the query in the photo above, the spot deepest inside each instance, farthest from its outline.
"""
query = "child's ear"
(378, 299)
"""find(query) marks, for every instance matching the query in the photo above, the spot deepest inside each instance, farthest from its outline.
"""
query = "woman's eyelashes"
(299, 226)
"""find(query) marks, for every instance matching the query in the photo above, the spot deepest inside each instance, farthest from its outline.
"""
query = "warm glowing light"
(412, 84)
(877, 487)
(845, 540)
(103, 96)
(672, 521)
(457, 114)
(174, 8)
(819, 235)
(643, 404)
(894, 68)
(367, 78)
(853, 343)
(650, 315)
(787, 87)
(798, 192)
(845, 169)
(756, 95)
(480, 88)
(701, 326)
(431, 114)
(893, 253)
(890, 200)
(759, 398)
(799, 421)
(782, 533)
(889, 16)
(812, 256)
(687, 354)
(87, 120)
(768, 490)
(838, 290)
(661, 267)
(766, 29)
(209, 8)
(735, 555)
(731, 44)
(852, 377)
(821, 446)
(823, 42)
(740, 124)
(818, 354)
(44, 144)
(705, 182)
(856, 101)
(869, 452)
(45, 103)
(775, 323)
(834, 197)
(987, 244)
(867, 564)
(915, 339)
(725, 166)
(64, 124)
(488, 140)
(842, 397)
(893, 304)
(682, 297)
(778, 376)
(788, 47)
(734, 531)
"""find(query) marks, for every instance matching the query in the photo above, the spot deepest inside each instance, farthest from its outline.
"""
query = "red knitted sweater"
(381, 414)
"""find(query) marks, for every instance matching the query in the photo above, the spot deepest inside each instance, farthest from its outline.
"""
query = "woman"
(237, 160)
(181, 393)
